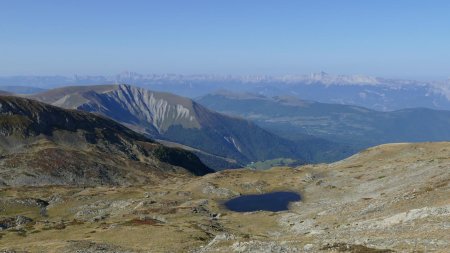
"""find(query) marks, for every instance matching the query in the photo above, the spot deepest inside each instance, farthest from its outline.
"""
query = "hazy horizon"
(225, 75)
(401, 39)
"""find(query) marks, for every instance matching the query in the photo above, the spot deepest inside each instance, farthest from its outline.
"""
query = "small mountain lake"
(273, 201)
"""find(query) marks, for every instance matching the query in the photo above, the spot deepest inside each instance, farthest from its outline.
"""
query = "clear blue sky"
(392, 38)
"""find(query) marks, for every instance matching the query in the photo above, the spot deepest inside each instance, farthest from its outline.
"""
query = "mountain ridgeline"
(371, 92)
(42, 144)
(220, 141)
(5, 93)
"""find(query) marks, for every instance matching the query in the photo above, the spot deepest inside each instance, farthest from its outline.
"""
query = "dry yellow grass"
(392, 196)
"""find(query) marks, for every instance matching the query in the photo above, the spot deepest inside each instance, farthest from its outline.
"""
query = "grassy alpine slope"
(388, 198)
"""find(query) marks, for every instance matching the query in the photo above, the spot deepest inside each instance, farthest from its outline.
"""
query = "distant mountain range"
(220, 141)
(371, 92)
(42, 144)
(359, 127)
(21, 89)
(2, 92)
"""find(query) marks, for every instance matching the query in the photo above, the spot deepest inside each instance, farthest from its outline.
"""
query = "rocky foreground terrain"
(390, 198)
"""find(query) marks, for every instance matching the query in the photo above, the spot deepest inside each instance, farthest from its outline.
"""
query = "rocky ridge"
(42, 144)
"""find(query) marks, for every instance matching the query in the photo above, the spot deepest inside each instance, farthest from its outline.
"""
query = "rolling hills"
(42, 144)
(360, 127)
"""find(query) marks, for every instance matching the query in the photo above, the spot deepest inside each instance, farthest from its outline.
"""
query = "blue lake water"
(273, 201)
